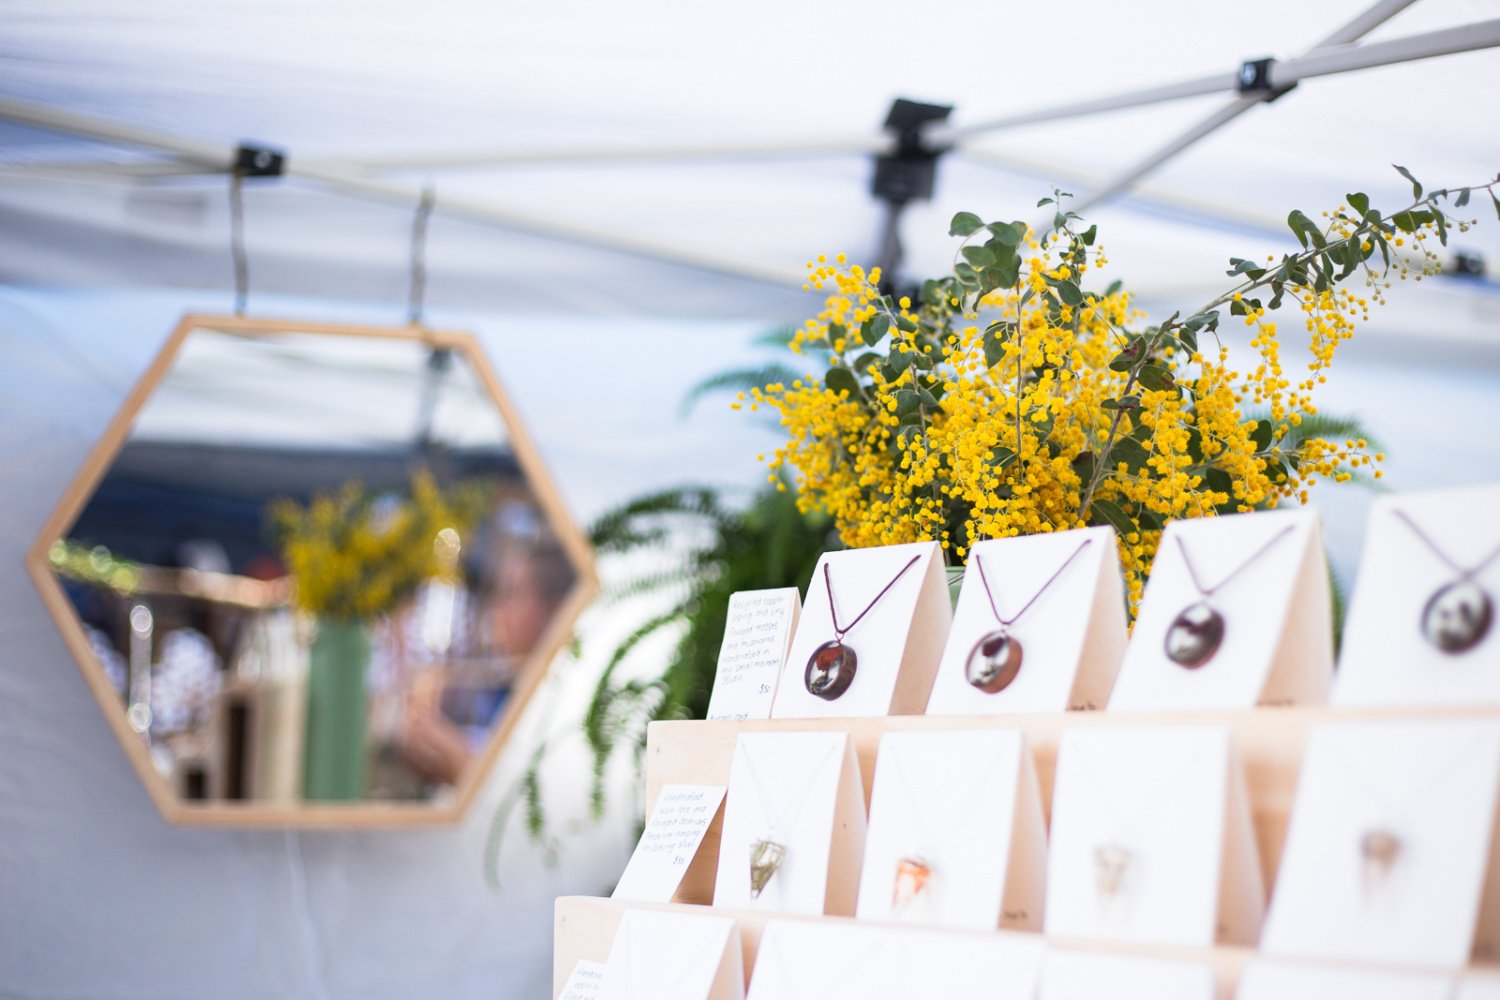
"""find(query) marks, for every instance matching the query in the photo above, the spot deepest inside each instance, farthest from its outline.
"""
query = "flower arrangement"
(1012, 398)
(358, 553)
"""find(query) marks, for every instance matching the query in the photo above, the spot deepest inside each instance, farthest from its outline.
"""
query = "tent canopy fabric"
(566, 116)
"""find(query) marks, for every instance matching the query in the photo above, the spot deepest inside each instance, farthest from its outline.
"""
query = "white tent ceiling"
(383, 81)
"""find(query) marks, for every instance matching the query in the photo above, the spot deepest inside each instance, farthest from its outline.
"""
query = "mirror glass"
(316, 567)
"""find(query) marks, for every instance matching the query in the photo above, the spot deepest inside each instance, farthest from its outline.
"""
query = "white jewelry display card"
(682, 815)
(584, 982)
(1419, 632)
(1237, 614)
(1066, 633)
(851, 961)
(794, 825)
(1076, 975)
(659, 955)
(1389, 840)
(892, 603)
(1152, 839)
(956, 830)
(756, 633)
(1478, 986)
(1264, 979)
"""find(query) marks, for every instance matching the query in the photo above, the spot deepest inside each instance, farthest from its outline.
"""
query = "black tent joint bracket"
(258, 161)
(909, 172)
(1254, 77)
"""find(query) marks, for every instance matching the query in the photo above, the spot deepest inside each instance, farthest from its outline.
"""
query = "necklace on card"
(1380, 844)
(995, 660)
(1457, 615)
(831, 668)
(1115, 855)
(1197, 632)
(652, 991)
(768, 852)
(914, 871)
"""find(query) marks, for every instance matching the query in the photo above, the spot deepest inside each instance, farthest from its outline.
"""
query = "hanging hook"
(419, 255)
(237, 241)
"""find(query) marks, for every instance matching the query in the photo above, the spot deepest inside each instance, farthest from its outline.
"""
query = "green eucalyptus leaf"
(1007, 270)
(840, 379)
(901, 360)
(965, 224)
(966, 274)
(1462, 199)
(874, 328)
(1262, 434)
(1000, 456)
(1416, 186)
(1008, 233)
(1131, 402)
(864, 361)
(1154, 376)
(906, 435)
(1069, 293)
(1109, 512)
(907, 402)
(1128, 356)
(1358, 201)
(978, 256)
(1088, 235)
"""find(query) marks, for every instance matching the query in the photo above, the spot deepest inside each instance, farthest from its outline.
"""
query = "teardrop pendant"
(912, 874)
(765, 860)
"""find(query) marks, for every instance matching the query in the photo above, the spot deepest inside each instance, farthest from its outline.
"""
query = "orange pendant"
(911, 878)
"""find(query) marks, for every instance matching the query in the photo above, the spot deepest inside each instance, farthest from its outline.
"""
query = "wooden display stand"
(1270, 742)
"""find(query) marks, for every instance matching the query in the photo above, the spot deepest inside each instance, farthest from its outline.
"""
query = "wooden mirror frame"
(312, 815)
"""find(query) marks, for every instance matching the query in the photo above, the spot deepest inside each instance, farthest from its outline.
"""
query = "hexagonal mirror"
(313, 573)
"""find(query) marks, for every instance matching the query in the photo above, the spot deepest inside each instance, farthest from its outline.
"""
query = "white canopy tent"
(624, 193)
(660, 159)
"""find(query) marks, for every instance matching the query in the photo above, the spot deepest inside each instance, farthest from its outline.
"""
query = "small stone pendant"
(912, 874)
(1380, 850)
(1194, 635)
(1110, 864)
(765, 860)
(994, 662)
(1457, 617)
(830, 670)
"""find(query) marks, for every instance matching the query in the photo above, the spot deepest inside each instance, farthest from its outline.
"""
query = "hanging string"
(237, 241)
(419, 256)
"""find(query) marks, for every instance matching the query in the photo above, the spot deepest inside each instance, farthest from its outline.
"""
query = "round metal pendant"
(1457, 617)
(830, 670)
(994, 662)
(1194, 635)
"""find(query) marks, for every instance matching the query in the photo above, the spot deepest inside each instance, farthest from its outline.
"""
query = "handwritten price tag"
(682, 816)
(756, 635)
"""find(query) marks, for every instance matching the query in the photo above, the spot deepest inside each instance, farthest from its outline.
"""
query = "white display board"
(1386, 658)
(1389, 843)
(1076, 975)
(1152, 839)
(757, 631)
(798, 960)
(1268, 979)
(897, 642)
(1270, 589)
(796, 815)
(956, 835)
(662, 955)
(1070, 631)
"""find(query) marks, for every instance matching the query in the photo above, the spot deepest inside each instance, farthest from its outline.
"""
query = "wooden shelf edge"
(584, 927)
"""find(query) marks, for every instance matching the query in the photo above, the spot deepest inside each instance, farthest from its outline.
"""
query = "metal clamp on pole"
(907, 174)
(1254, 77)
(259, 161)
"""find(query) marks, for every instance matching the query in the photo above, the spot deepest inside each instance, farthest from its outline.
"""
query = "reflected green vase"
(336, 751)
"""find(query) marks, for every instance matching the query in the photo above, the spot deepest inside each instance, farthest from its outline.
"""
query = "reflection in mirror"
(314, 569)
